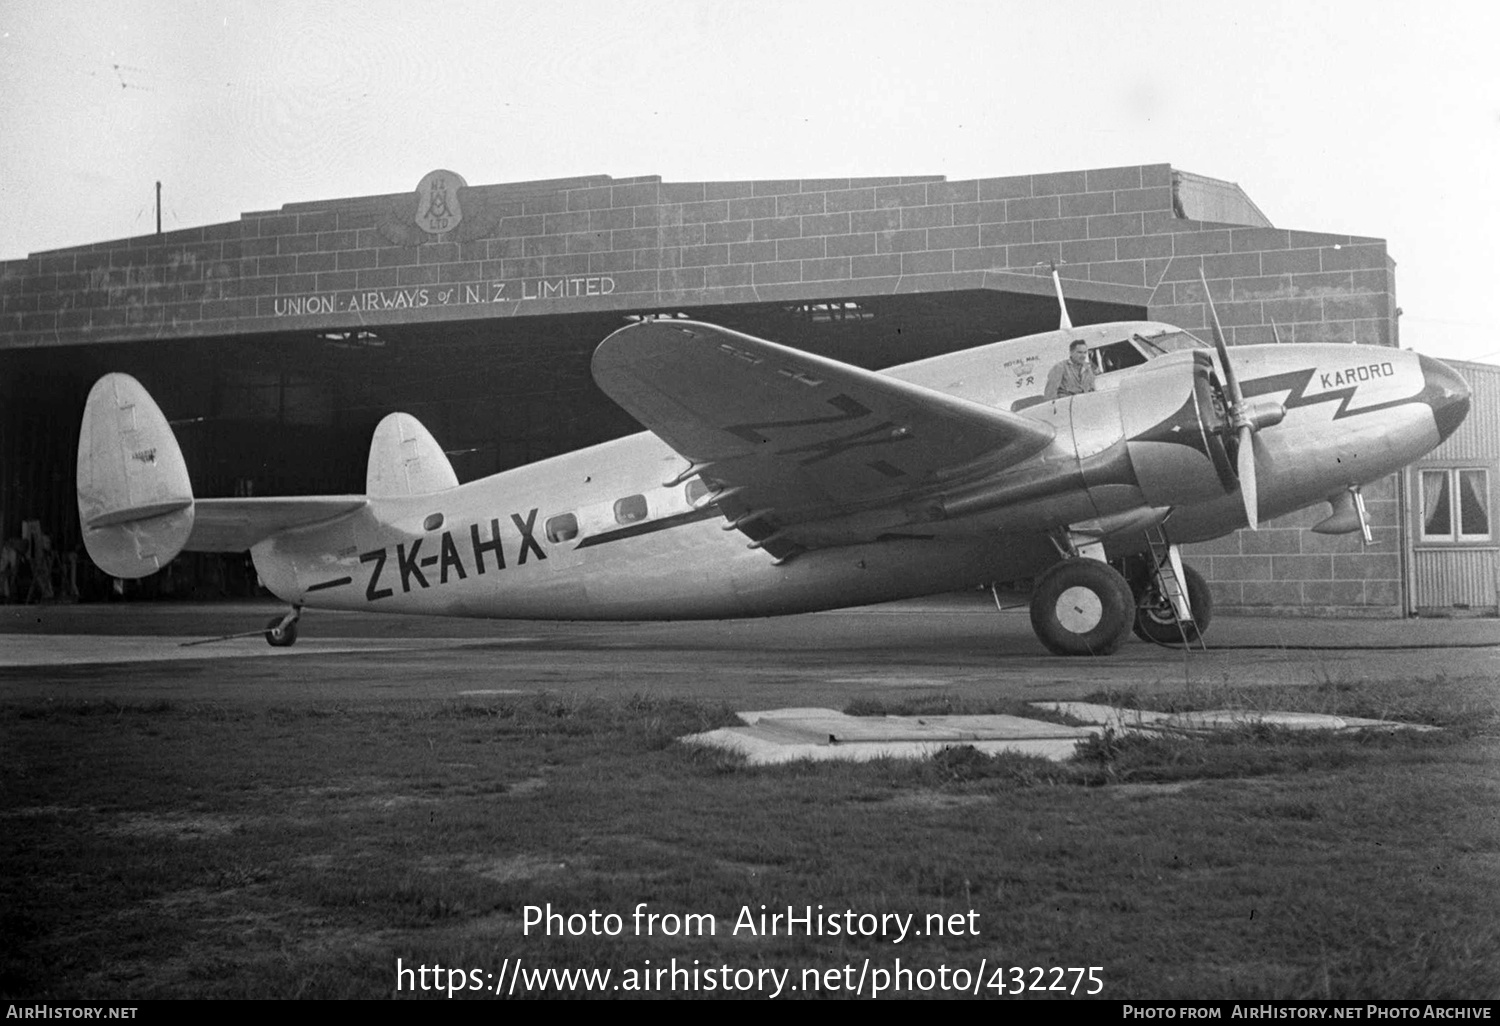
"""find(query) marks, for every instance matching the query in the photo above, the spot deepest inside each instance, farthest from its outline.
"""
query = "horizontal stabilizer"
(406, 460)
(235, 525)
(135, 502)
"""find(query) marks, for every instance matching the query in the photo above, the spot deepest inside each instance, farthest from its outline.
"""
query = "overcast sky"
(1372, 118)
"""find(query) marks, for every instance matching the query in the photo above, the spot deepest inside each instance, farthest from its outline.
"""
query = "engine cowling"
(1173, 423)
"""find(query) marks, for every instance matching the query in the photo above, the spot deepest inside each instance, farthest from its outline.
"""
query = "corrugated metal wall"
(1478, 437)
(1455, 578)
(1461, 577)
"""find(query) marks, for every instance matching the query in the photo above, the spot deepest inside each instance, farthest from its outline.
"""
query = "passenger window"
(630, 509)
(563, 527)
(696, 490)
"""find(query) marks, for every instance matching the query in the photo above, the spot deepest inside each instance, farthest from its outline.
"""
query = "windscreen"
(1169, 342)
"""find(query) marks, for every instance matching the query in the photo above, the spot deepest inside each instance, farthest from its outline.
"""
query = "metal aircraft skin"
(773, 481)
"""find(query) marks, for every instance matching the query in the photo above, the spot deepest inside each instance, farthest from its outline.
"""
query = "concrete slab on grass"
(787, 735)
(1215, 719)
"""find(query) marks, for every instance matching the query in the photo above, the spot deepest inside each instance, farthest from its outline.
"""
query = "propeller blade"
(1231, 382)
(1246, 471)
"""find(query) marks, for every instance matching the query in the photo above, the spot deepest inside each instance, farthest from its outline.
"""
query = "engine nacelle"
(1157, 441)
(1173, 425)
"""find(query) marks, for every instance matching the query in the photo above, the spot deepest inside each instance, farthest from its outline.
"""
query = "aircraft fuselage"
(596, 534)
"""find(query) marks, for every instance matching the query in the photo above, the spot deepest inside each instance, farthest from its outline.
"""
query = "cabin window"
(1456, 505)
(433, 522)
(630, 510)
(562, 528)
(696, 489)
(1115, 356)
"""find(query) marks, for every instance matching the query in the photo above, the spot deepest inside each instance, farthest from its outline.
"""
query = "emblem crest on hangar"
(438, 210)
(442, 208)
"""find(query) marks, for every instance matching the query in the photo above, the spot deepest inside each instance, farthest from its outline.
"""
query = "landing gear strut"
(1082, 607)
(281, 632)
(1155, 619)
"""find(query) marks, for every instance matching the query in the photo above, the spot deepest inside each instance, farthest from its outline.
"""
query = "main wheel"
(1154, 620)
(1082, 607)
(278, 636)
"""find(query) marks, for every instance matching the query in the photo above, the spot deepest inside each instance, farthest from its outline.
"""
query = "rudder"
(135, 502)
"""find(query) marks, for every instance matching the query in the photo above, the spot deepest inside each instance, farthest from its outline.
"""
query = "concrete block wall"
(599, 243)
(1285, 568)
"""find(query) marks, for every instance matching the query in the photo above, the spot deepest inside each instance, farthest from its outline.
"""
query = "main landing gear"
(1082, 606)
(1156, 618)
(1085, 606)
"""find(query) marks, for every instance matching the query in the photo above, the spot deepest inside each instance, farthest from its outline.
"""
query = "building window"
(630, 509)
(1456, 505)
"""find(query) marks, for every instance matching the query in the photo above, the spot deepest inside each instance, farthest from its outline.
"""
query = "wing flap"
(235, 525)
(808, 437)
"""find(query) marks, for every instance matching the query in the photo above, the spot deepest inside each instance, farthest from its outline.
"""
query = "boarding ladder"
(1166, 565)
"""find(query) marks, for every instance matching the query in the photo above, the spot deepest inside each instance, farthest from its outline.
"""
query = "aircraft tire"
(1082, 607)
(278, 636)
(1153, 615)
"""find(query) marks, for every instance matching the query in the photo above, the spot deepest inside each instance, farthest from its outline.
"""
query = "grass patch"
(1440, 701)
(941, 703)
(187, 850)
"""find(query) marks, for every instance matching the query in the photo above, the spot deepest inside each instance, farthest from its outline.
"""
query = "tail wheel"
(1154, 619)
(1082, 607)
(279, 634)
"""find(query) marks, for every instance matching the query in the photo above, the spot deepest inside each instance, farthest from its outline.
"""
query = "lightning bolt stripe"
(1296, 384)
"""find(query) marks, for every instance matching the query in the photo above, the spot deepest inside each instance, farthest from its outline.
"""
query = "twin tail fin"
(136, 504)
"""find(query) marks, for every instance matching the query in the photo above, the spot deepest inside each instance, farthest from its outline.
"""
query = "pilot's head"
(1078, 352)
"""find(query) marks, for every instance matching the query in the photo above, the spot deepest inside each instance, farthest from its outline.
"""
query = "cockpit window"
(1170, 342)
(1115, 356)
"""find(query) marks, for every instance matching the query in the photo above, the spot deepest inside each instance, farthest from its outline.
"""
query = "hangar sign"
(469, 294)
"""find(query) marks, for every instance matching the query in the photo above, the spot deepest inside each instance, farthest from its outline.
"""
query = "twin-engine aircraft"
(773, 481)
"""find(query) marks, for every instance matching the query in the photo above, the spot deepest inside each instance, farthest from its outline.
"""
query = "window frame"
(555, 528)
(1454, 480)
(624, 507)
(1097, 355)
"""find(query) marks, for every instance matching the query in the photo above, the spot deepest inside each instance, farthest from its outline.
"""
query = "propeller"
(1240, 420)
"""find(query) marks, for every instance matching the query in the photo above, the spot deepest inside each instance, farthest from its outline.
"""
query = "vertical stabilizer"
(406, 460)
(135, 502)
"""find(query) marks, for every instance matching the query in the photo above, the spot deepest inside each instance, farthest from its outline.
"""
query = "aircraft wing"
(796, 437)
(234, 525)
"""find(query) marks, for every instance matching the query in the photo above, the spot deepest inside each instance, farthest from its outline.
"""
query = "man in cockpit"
(1072, 376)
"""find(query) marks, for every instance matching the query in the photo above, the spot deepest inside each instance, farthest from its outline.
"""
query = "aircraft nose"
(1446, 393)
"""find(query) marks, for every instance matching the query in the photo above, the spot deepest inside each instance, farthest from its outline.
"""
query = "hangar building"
(277, 341)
